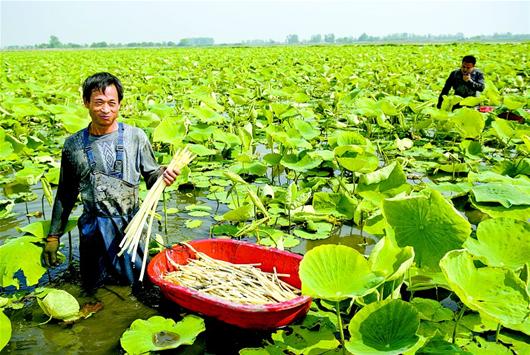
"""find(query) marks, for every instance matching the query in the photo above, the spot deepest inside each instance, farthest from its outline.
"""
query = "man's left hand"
(170, 176)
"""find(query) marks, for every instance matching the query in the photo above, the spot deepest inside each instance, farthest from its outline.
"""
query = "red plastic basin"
(267, 316)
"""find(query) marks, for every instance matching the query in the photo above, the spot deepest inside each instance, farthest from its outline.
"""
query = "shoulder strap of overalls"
(118, 164)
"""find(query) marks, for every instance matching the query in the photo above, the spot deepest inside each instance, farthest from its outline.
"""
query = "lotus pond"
(413, 221)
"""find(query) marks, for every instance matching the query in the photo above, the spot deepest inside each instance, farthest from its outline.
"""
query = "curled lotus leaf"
(159, 333)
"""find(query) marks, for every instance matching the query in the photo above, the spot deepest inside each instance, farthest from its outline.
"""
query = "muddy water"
(100, 333)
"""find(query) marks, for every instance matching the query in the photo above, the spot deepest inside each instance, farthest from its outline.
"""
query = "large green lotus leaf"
(520, 213)
(339, 138)
(471, 101)
(201, 150)
(468, 122)
(506, 195)
(73, 122)
(509, 132)
(431, 310)
(40, 228)
(514, 102)
(439, 346)
(493, 292)
(5, 330)
(451, 190)
(518, 342)
(335, 204)
(428, 223)
(305, 341)
(240, 214)
(20, 254)
(170, 130)
(501, 242)
(300, 164)
(59, 304)
(389, 260)
(159, 333)
(336, 272)
(30, 175)
(386, 178)
(386, 327)
(356, 158)
(483, 346)
(228, 138)
(305, 129)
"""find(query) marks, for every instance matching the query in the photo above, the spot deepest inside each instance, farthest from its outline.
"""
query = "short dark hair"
(100, 82)
(469, 59)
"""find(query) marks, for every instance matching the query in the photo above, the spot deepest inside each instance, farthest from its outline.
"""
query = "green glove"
(50, 250)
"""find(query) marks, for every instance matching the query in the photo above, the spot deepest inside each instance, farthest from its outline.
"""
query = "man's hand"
(467, 77)
(50, 250)
(170, 176)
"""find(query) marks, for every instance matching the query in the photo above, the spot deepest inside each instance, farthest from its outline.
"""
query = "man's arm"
(448, 84)
(65, 198)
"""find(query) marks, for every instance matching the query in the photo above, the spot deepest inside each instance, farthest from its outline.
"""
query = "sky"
(85, 22)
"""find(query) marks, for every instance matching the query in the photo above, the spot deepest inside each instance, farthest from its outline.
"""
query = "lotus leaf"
(5, 330)
(304, 341)
(40, 228)
(501, 242)
(336, 272)
(431, 310)
(11, 262)
(300, 163)
(427, 222)
(437, 345)
(305, 129)
(468, 122)
(506, 195)
(240, 214)
(159, 333)
(336, 204)
(317, 230)
(386, 327)
(356, 158)
(515, 212)
(200, 150)
(495, 293)
(59, 304)
(386, 178)
(389, 260)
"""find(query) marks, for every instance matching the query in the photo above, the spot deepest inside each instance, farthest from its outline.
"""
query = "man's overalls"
(105, 216)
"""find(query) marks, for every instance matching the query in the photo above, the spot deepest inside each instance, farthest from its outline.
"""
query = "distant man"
(466, 81)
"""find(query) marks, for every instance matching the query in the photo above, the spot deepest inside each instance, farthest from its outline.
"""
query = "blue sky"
(32, 22)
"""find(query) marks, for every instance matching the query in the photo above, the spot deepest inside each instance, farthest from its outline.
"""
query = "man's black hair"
(100, 82)
(469, 59)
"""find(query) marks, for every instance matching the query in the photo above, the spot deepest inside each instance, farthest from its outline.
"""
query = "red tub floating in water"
(267, 316)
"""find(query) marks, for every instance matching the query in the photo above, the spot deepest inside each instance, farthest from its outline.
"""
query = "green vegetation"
(298, 144)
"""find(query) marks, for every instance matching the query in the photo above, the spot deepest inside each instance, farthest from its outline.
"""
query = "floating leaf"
(501, 242)
(428, 223)
(301, 341)
(159, 333)
(320, 230)
(11, 261)
(240, 214)
(336, 272)
(495, 293)
(5, 330)
(193, 223)
(387, 327)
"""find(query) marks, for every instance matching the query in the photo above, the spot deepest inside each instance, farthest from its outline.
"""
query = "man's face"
(104, 107)
(467, 68)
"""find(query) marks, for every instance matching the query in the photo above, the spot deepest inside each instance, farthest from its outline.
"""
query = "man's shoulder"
(75, 139)
(137, 134)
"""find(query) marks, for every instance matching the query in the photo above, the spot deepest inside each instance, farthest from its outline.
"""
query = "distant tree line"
(55, 43)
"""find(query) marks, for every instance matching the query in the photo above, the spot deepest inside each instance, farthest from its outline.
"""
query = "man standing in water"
(466, 81)
(103, 163)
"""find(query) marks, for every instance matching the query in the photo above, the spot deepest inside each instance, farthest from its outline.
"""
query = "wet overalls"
(106, 213)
